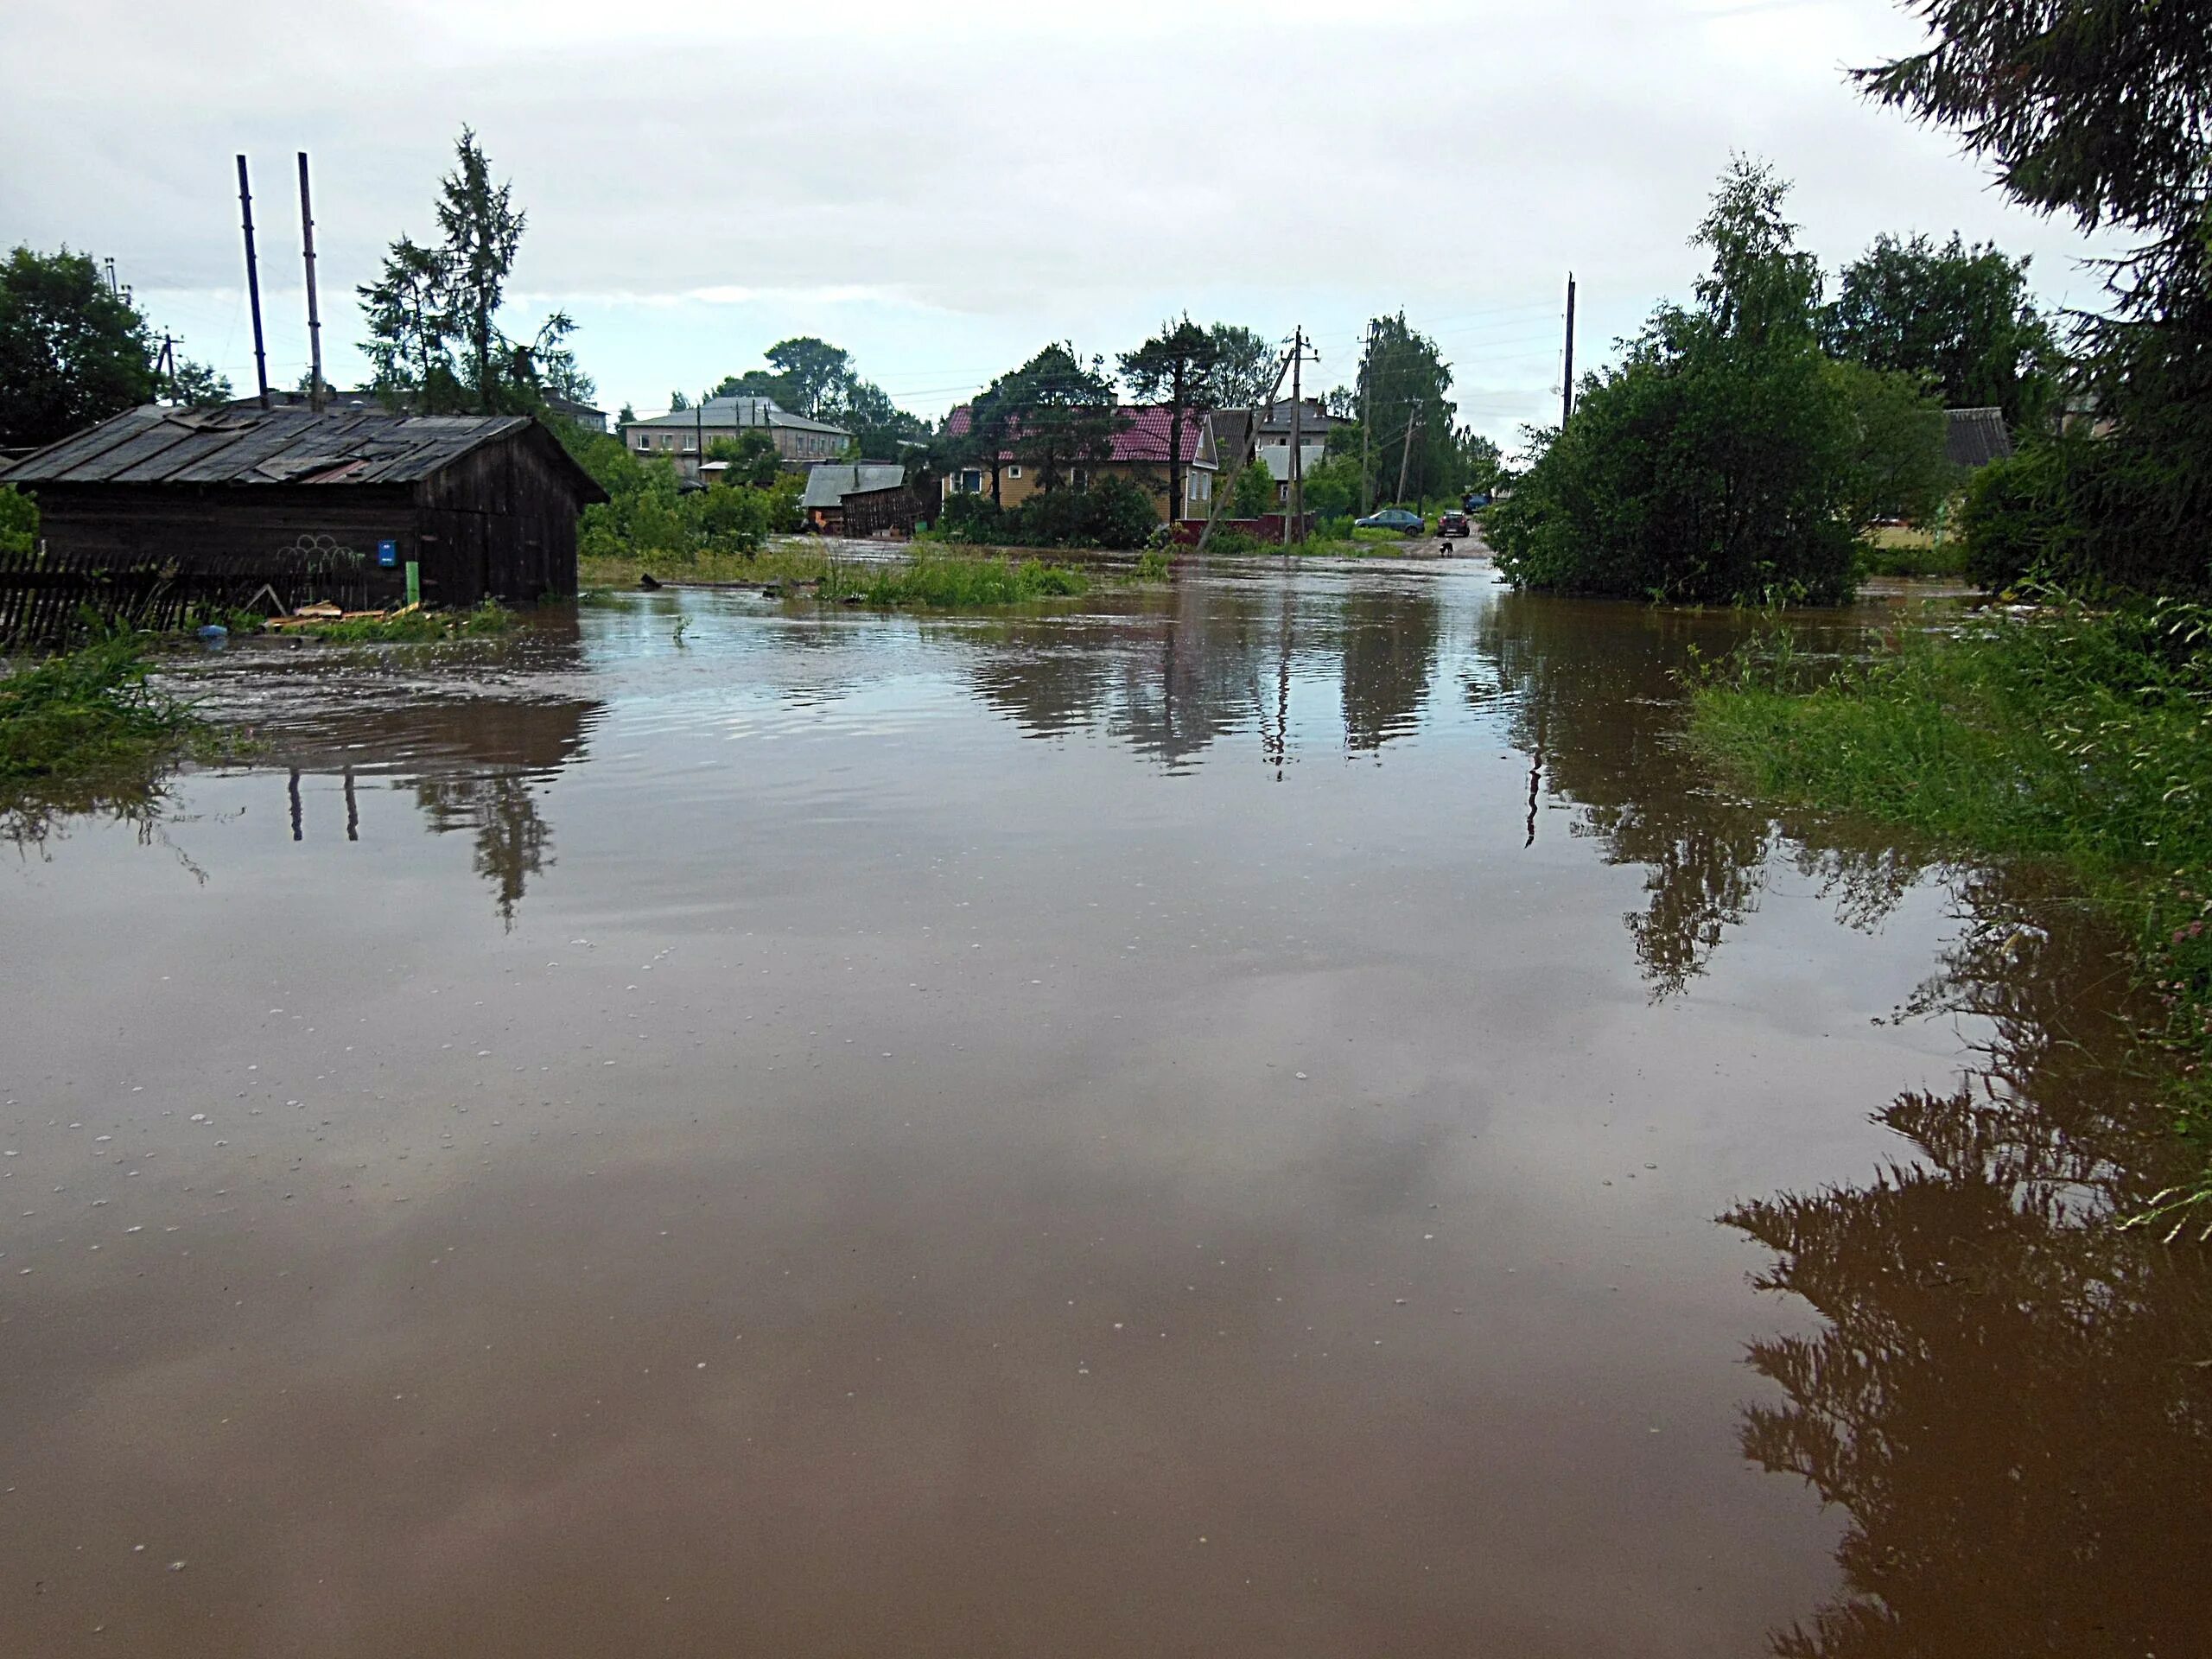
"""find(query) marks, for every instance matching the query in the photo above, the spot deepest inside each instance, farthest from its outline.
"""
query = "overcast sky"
(944, 188)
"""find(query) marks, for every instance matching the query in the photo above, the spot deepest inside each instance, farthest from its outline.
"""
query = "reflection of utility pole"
(1274, 747)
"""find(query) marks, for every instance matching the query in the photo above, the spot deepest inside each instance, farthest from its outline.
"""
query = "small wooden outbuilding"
(487, 505)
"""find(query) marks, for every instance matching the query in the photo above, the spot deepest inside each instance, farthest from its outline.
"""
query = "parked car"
(1397, 519)
(1451, 524)
(1475, 499)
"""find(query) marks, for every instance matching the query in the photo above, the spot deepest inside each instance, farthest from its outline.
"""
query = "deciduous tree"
(1957, 319)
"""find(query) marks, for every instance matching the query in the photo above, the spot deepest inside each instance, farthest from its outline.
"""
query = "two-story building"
(682, 434)
(1140, 454)
(1267, 431)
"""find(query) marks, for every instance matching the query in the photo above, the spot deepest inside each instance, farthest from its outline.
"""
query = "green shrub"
(1118, 513)
(972, 518)
(18, 520)
(1252, 493)
(2017, 518)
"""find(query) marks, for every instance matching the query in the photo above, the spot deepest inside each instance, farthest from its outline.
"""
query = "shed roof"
(1974, 437)
(828, 483)
(160, 445)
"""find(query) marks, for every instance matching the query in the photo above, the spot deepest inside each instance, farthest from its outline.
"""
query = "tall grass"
(955, 583)
(2076, 738)
(84, 712)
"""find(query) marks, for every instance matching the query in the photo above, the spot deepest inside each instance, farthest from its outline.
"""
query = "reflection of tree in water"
(1389, 653)
(1591, 690)
(2010, 1396)
(1591, 693)
(474, 765)
(497, 808)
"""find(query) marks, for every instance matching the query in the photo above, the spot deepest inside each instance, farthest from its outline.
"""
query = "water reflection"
(1590, 695)
(1169, 677)
(1389, 647)
(2011, 1398)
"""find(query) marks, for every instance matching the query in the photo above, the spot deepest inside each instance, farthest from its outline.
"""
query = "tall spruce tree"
(1171, 369)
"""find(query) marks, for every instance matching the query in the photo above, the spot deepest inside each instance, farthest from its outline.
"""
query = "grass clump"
(2072, 737)
(411, 627)
(954, 583)
(85, 713)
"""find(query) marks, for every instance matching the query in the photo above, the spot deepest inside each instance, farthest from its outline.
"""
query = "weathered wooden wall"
(500, 520)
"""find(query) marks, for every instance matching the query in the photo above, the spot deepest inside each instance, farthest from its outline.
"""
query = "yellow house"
(1140, 454)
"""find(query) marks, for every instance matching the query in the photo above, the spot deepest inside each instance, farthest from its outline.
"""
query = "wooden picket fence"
(50, 596)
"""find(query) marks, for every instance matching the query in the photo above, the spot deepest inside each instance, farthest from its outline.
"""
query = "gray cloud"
(944, 188)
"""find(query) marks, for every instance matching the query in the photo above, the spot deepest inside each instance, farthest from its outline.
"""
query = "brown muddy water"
(1282, 1118)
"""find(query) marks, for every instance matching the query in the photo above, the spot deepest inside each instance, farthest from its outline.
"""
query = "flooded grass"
(942, 583)
(2068, 737)
(410, 628)
(88, 713)
(927, 579)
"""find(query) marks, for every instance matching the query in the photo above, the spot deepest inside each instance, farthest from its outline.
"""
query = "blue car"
(1397, 519)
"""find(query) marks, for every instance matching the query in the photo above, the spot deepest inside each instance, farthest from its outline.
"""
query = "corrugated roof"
(1974, 437)
(830, 482)
(230, 446)
(740, 412)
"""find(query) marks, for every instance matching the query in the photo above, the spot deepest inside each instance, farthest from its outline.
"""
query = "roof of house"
(1142, 435)
(1313, 422)
(828, 482)
(1974, 437)
(156, 444)
(738, 412)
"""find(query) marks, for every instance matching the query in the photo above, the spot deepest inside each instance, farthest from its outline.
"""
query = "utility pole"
(1366, 423)
(253, 285)
(314, 320)
(1566, 390)
(1250, 451)
(167, 364)
(1297, 438)
(1406, 453)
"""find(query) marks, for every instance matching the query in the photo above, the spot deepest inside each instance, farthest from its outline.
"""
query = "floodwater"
(1279, 1119)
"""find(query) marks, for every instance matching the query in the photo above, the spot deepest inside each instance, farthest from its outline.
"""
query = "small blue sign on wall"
(387, 554)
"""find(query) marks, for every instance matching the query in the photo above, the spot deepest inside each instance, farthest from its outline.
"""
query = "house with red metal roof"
(1140, 454)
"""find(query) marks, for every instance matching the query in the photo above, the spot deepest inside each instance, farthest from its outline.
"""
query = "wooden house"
(329, 503)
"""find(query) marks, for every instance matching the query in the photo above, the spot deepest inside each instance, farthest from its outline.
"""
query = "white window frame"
(1013, 469)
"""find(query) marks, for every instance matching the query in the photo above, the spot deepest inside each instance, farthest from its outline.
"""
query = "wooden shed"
(342, 499)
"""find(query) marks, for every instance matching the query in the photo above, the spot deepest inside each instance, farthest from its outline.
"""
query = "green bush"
(18, 520)
(1703, 468)
(1252, 493)
(972, 518)
(2017, 518)
(1118, 513)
